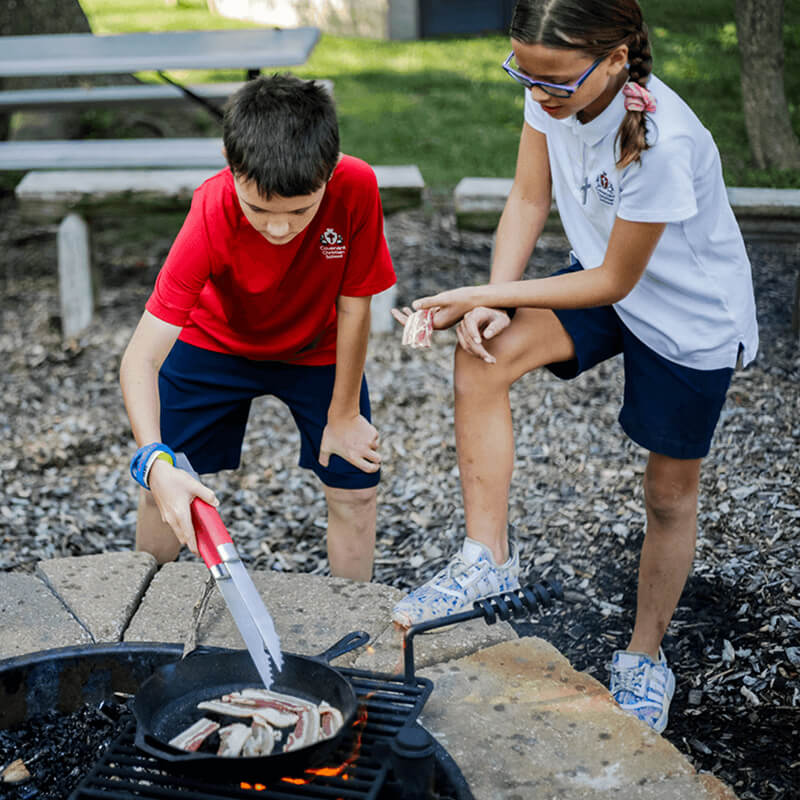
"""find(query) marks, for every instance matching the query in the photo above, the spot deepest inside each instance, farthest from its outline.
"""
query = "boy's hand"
(478, 325)
(352, 438)
(450, 306)
(173, 490)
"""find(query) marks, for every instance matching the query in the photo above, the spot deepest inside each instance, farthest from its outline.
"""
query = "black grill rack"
(391, 701)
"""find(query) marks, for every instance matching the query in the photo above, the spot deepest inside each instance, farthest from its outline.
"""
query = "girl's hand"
(355, 439)
(173, 490)
(478, 325)
(450, 306)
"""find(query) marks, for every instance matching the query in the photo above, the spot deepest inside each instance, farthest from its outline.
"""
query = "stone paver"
(547, 731)
(165, 611)
(32, 618)
(102, 591)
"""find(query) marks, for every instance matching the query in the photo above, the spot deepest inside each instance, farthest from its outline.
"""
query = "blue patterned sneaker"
(643, 687)
(471, 575)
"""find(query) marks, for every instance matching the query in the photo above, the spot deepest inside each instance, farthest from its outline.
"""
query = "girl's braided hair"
(596, 27)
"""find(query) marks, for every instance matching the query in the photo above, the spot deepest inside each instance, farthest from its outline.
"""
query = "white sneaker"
(643, 687)
(471, 575)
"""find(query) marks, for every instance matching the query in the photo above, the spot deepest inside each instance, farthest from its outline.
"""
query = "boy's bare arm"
(138, 375)
(348, 434)
(173, 489)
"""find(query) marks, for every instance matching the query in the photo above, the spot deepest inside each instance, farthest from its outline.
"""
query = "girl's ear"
(618, 59)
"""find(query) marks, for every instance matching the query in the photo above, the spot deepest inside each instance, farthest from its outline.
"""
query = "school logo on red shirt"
(331, 244)
(604, 188)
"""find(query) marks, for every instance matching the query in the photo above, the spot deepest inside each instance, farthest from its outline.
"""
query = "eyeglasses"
(553, 89)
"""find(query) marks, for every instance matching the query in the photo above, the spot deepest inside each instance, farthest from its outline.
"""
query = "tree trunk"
(28, 17)
(773, 143)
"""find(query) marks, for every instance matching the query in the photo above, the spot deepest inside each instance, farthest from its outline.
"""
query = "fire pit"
(385, 755)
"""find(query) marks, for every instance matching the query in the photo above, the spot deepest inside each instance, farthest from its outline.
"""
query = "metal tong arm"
(519, 603)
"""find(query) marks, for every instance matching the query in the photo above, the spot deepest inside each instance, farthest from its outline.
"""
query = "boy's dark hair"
(282, 133)
(596, 27)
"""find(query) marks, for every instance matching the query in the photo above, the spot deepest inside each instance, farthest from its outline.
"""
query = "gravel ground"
(576, 501)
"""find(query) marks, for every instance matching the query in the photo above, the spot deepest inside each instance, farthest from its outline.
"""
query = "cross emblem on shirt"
(585, 188)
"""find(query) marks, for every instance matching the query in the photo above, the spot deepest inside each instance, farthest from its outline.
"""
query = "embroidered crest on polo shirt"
(604, 188)
(331, 244)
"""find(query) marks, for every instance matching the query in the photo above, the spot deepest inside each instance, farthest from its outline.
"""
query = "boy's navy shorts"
(668, 408)
(205, 401)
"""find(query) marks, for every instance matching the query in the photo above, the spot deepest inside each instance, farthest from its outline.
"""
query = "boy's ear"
(224, 152)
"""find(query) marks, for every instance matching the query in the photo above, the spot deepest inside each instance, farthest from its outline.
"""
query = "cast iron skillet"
(166, 704)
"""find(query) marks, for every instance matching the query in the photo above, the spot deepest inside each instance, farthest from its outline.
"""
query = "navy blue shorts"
(668, 408)
(205, 401)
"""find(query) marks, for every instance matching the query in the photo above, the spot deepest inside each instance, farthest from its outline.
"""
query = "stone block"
(479, 202)
(381, 307)
(32, 618)
(165, 611)
(74, 276)
(401, 186)
(545, 730)
(101, 591)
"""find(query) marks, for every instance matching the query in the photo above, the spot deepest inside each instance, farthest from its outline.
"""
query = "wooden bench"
(761, 213)
(73, 197)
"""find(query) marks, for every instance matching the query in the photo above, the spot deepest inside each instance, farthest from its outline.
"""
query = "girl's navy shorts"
(667, 408)
(205, 401)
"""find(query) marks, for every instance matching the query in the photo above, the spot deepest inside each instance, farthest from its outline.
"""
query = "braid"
(632, 134)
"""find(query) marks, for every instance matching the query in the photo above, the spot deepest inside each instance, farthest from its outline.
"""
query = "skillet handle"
(347, 643)
(210, 531)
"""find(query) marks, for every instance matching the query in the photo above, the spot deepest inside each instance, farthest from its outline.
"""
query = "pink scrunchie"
(637, 98)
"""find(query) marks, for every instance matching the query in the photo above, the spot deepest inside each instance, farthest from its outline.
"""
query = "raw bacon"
(232, 739)
(306, 731)
(418, 330)
(194, 735)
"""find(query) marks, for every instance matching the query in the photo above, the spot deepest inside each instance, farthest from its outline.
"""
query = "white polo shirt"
(694, 303)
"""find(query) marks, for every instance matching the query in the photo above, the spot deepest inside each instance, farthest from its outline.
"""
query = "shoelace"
(458, 570)
(632, 680)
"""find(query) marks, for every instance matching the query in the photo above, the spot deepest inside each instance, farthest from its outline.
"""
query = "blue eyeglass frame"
(567, 90)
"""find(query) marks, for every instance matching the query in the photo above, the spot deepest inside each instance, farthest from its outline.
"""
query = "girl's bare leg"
(670, 491)
(484, 435)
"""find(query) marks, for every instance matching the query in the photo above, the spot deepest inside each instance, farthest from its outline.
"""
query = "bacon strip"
(305, 732)
(194, 735)
(232, 739)
(261, 741)
(418, 330)
(330, 720)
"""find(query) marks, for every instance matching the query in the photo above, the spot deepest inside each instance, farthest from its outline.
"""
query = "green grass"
(447, 106)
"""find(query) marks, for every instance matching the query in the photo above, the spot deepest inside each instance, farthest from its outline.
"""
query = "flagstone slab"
(544, 730)
(32, 618)
(165, 611)
(102, 591)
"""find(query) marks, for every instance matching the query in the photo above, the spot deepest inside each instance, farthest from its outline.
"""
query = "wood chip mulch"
(576, 502)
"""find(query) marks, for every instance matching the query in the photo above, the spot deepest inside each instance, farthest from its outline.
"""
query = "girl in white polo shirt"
(658, 273)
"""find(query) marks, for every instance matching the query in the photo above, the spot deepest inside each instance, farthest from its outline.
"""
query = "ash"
(576, 501)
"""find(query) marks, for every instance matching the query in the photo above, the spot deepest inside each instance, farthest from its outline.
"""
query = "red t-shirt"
(234, 292)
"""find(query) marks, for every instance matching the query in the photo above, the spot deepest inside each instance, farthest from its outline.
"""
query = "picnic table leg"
(74, 276)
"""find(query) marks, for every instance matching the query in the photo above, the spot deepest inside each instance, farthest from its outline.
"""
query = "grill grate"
(125, 773)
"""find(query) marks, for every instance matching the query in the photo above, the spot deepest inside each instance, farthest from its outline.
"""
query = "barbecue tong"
(220, 555)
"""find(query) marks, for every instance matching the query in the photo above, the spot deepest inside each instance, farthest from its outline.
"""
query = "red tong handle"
(210, 531)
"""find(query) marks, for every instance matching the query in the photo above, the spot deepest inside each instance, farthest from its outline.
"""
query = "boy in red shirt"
(266, 290)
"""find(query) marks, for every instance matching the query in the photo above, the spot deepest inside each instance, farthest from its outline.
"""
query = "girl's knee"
(471, 374)
(668, 497)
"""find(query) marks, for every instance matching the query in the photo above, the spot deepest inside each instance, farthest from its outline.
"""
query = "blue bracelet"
(143, 460)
